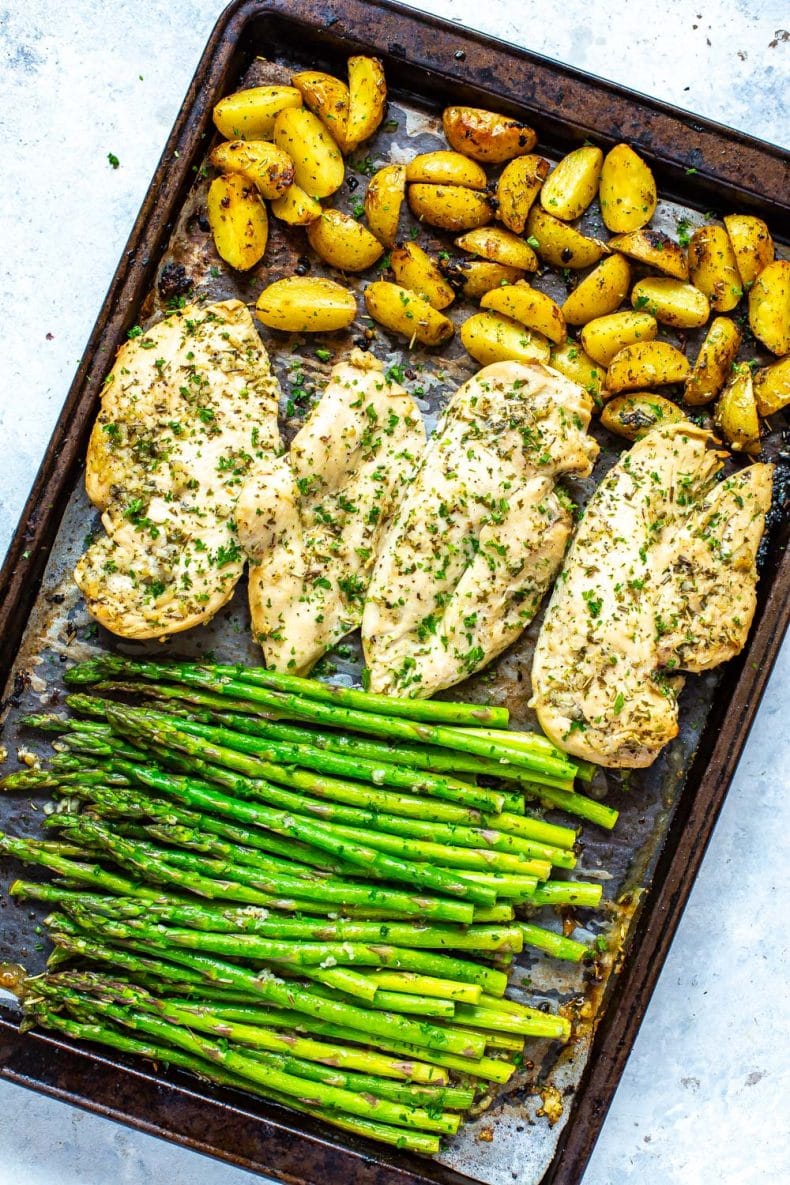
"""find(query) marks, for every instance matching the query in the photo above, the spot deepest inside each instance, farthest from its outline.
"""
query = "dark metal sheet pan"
(670, 815)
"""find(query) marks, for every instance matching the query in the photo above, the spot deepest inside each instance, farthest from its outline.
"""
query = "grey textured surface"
(704, 1092)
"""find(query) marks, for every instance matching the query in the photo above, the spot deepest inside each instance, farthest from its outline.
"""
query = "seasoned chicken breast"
(660, 578)
(188, 408)
(311, 522)
(481, 530)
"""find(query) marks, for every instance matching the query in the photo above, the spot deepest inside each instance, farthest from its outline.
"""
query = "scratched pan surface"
(541, 1129)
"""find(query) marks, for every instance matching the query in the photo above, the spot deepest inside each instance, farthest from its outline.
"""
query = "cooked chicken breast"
(481, 531)
(660, 578)
(189, 407)
(311, 522)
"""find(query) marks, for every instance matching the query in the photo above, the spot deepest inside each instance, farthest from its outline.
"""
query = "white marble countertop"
(704, 1094)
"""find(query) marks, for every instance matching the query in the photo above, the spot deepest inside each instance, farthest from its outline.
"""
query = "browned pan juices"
(668, 812)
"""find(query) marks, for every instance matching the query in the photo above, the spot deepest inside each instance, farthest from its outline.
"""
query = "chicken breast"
(188, 408)
(660, 578)
(311, 522)
(481, 531)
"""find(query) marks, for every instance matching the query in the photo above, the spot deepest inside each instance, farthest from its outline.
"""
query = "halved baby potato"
(343, 242)
(383, 202)
(367, 99)
(414, 269)
(772, 387)
(646, 364)
(499, 246)
(572, 361)
(559, 244)
(634, 415)
(769, 306)
(573, 184)
(752, 243)
(480, 276)
(736, 412)
(518, 186)
(405, 312)
(489, 337)
(485, 135)
(327, 97)
(530, 307)
(237, 217)
(713, 267)
(296, 207)
(655, 249)
(671, 302)
(599, 293)
(250, 114)
(714, 361)
(451, 207)
(628, 193)
(606, 336)
(306, 304)
(317, 163)
(269, 168)
(446, 168)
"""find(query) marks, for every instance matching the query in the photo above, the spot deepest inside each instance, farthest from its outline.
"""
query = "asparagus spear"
(553, 944)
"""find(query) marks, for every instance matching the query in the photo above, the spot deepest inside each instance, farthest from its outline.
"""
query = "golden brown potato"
(327, 97)
(499, 246)
(318, 165)
(238, 222)
(250, 114)
(571, 360)
(573, 184)
(655, 249)
(449, 206)
(530, 307)
(628, 192)
(486, 136)
(302, 304)
(559, 244)
(296, 207)
(713, 268)
(671, 302)
(769, 306)
(269, 168)
(632, 416)
(446, 168)
(752, 243)
(714, 361)
(599, 293)
(517, 188)
(414, 269)
(772, 387)
(342, 241)
(736, 412)
(606, 336)
(488, 337)
(646, 364)
(367, 90)
(479, 276)
(405, 312)
(383, 202)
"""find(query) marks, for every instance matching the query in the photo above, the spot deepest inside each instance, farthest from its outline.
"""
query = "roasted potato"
(486, 136)
(383, 202)
(606, 336)
(250, 114)
(518, 186)
(646, 364)
(367, 99)
(302, 304)
(632, 416)
(627, 194)
(736, 412)
(342, 241)
(451, 207)
(479, 276)
(489, 337)
(572, 361)
(269, 168)
(327, 97)
(713, 268)
(318, 165)
(655, 249)
(772, 387)
(405, 312)
(499, 246)
(599, 293)
(752, 243)
(573, 184)
(446, 168)
(414, 269)
(237, 217)
(559, 244)
(296, 207)
(714, 361)
(769, 306)
(671, 302)
(530, 307)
